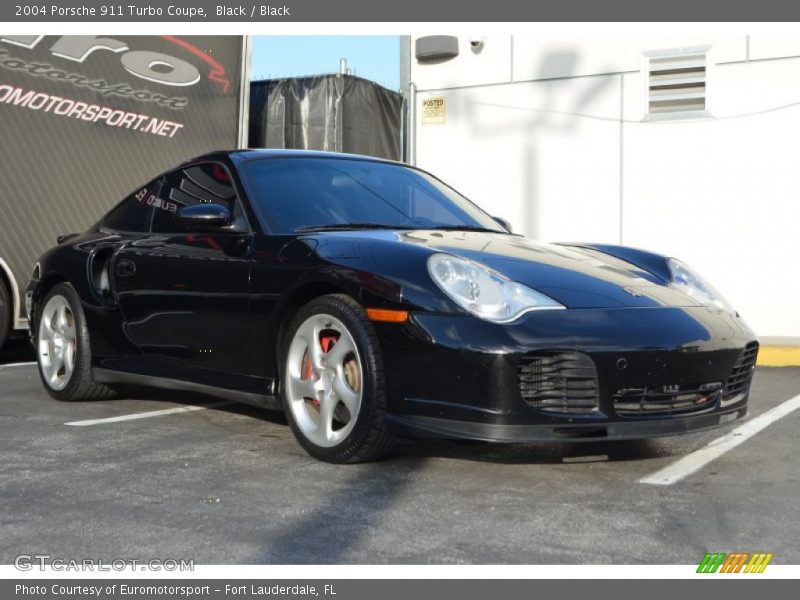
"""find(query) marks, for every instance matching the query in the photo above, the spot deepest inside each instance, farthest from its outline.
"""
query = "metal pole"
(412, 124)
(242, 140)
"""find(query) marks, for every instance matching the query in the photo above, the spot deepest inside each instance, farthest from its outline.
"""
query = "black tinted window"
(132, 213)
(293, 193)
(207, 183)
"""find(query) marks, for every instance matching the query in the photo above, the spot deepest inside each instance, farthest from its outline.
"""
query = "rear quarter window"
(132, 213)
(205, 183)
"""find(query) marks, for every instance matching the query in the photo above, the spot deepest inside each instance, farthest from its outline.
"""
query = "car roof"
(245, 155)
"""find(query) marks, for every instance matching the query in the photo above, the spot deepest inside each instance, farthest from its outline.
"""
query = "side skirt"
(261, 400)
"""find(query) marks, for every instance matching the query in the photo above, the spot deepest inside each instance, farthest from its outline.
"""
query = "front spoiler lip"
(421, 426)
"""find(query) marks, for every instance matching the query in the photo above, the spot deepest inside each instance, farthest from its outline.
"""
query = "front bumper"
(458, 376)
(419, 426)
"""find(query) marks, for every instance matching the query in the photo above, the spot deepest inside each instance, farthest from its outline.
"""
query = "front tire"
(333, 387)
(62, 348)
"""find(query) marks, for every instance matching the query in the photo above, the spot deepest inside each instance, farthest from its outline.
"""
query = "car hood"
(578, 277)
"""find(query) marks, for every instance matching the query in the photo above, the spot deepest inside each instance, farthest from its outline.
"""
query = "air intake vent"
(559, 382)
(666, 399)
(739, 381)
(676, 84)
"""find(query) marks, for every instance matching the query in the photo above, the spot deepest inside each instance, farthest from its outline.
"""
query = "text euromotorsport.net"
(84, 111)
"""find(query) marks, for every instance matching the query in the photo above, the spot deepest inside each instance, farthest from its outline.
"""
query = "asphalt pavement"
(229, 485)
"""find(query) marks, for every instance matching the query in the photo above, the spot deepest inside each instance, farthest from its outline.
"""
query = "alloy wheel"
(324, 380)
(58, 343)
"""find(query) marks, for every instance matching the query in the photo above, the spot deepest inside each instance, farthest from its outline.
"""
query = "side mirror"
(203, 216)
(503, 223)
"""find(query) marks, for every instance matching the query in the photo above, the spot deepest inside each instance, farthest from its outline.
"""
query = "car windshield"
(303, 194)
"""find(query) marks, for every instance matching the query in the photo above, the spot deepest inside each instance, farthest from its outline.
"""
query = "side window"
(132, 213)
(206, 183)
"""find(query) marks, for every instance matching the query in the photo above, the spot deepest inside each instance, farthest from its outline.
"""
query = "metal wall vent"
(436, 48)
(677, 84)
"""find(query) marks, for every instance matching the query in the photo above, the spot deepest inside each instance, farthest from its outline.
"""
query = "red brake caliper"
(326, 343)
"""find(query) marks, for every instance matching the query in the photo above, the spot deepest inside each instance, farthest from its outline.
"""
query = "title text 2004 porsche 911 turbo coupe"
(370, 301)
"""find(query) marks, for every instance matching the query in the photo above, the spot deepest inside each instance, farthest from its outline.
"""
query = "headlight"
(695, 286)
(483, 292)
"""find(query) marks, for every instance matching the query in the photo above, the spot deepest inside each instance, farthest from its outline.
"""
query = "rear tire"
(63, 350)
(333, 387)
(6, 312)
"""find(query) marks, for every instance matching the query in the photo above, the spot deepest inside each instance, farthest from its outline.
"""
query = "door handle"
(125, 267)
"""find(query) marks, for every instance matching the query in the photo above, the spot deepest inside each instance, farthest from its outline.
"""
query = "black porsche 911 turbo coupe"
(368, 300)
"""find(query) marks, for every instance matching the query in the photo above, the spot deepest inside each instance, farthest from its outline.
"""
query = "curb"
(778, 356)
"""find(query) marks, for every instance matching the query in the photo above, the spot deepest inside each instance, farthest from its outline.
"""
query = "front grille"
(739, 381)
(559, 382)
(666, 399)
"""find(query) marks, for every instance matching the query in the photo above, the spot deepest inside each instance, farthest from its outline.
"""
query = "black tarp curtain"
(337, 113)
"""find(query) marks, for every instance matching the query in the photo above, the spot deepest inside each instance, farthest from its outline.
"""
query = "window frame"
(262, 215)
(149, 210)
(239, 200)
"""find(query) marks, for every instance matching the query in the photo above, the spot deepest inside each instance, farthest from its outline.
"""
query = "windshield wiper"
(346, 226)
(466, 228)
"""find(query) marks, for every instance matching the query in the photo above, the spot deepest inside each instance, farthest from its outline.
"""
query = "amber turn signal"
(387, 316)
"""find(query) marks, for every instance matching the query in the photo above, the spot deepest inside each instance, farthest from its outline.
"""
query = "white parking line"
(18, 364)
(691, 463)
(146, 415)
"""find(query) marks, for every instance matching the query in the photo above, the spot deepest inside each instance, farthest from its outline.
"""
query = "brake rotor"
(352, 373)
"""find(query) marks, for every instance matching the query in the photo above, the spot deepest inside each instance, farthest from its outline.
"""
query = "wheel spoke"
(326, 409)
(314, 349)
(302, 388)
(61, 319)
(56, 362)
(340, 350)
(46, 334)
(346, 394)
(52, 321)
(69, 330)
(46, 356)
(69, 358)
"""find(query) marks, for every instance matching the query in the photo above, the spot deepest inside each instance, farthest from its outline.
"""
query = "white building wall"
(548, 133)
(519, 151)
